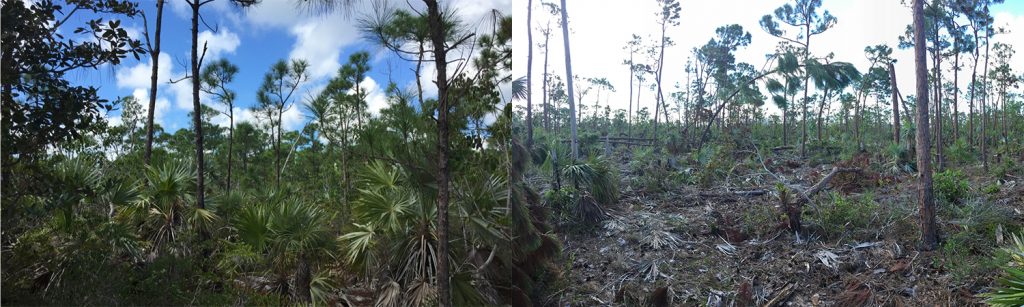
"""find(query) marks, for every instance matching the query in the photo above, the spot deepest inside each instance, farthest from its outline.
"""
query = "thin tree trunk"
(974, 90)
(926, 201)
(785, 135)
(568, 73)
(639, 89)
(629, 114)
(856, 120)
(956, 91)
(303, 277)
(658, 101)
(419, 67)
(807, 79)
(277, 146)
(437, 32)
(198, 111)
(231, 141)
(895, 106)
(547, 118)
(155, 57)
(529, 74)
(984, 108)
(821, 110)
(939, 143)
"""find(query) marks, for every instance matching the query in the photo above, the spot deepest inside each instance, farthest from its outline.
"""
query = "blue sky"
(255, 38)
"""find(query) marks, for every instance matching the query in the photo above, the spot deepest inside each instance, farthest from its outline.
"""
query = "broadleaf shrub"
(951, 185)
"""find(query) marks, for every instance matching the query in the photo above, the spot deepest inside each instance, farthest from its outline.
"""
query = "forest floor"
(715, 247)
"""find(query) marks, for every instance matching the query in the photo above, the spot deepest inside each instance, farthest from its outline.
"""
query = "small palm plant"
(1010, 291)
(165, 209)
(288, 239)
(393, 236)
(595, 184)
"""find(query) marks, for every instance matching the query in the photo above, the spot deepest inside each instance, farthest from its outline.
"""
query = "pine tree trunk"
(437, 32)
(974, 91)
(658, 101)
(155, 57)
(956, 91)
(529, 74)
(940, 156)
(926, 201)
(231, 142)
(198, 111)
(629, 114)
(895, 106)
(568, 73)
(984, 108)
(544, 85)
(277, 147)
(807, 79)
(821, 110)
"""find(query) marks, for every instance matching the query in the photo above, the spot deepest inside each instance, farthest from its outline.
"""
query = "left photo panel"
(261, 152)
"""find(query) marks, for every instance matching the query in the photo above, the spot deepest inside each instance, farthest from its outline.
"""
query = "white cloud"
(293, 118)
(138, 76)
(218, 44)
(241, 115)
(1014, 24)
(375, 96)
(319, 42)
(161, 106)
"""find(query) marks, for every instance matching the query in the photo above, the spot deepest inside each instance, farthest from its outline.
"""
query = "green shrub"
(990, 189)
(960, 153)
(1002, 169)
(951, 185)
(980, 218)
(558, 200)
(714, 163)
(845, 214)
(649, 174)
(966, 256)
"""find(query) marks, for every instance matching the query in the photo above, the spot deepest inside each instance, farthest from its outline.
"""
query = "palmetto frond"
(420, 293)
(390, 296)
(321, 288)
(360, 242)
(384, 208)
(203, 219)
(580, 174)
(481, 207)
(1010, 287)
(380, 175)
(299, 227)
(122, 239)
(519, 88)
(252, 225)
(163, 203)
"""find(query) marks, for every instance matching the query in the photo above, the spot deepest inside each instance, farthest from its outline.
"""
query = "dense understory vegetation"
(343, 210)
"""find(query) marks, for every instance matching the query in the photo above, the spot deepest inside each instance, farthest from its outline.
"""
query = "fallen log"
(781, 296)
(795, 208)
(750, 193)
(805, 196)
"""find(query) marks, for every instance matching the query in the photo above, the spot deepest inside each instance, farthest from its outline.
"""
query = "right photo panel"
(767, 153)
